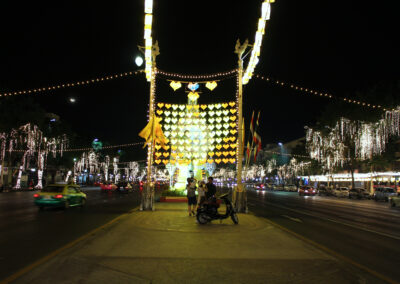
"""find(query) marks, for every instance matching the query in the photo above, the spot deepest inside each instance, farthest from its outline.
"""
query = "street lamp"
(280, 144)
(139, 61)
(72, 100)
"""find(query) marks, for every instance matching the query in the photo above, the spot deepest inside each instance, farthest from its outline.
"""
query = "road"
(364, 231)
(28, 234)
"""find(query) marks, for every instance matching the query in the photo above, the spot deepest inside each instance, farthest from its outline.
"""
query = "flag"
(153, 132)
(251, 123)
(258, 118)
(248, 151)
(257, 141)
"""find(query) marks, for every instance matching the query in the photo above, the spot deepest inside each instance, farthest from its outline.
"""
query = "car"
(341, 192)
(359, 193)
(124, 187)
(384, 193)
(60, 195)
(291, 187)
(394, 201)
(323, 190)
(107, 187)
(260, 186)
(307, 190)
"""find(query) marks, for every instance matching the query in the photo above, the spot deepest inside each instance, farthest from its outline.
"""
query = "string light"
(255, 53)
(198, 78)
(321, 94)
(148, 19)
(70, 85)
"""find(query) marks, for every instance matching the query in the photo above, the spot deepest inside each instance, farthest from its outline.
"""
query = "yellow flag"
(153, 132)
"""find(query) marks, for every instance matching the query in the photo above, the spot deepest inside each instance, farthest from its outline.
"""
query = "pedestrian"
(211, 189)
(201, 193)
(191, 195)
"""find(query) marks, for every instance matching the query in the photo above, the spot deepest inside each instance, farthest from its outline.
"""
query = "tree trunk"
(239, 200)
(352, 177)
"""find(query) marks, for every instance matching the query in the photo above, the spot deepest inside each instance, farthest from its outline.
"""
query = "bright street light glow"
(139, 61)
(280, 144)
(72, 100)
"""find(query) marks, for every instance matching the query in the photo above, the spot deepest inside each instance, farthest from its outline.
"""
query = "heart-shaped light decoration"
(174, 107)
(232, 104)
(189, 114)
(203, 114)
(218, 161)
(218, 106)
(174, 120)
(193, 86)
(218, 154)
(211, 107)
(211, 113)
(165, 154)
(218, 119)
(182, 114)
(233, 111)
(172, 162)
(204, 149)
(233, 146)
(181, 133)
(182, 107)
(167, 113)
(210, 161)
(233, 118)
(168, 106)
(218, 140)
(158, 154)
(203, 107)
(233, 139)
(189, 107)
(226, 139)
(157, 161)
(160, 105)
(203, 127)
(218, 113)
(218, 126)
(226, 132)
(196, 141)
(181, 141)
(225, 112)
(175, 113)
(203, 121)
(218, 147)
(174, 141)
(211, 120)
(219, 132)
(224, 105)
(211, 85)
(173, 155)
(174, 147)
(193, 96)
(181, 148)
(226, 125)
(232, 153)
(173, 134)
(175, 85)
(181, 155)
(211, 141)
(225, 161)
(226, 146)
(189, 121)
(167, 133)
(165, 162)
(233, 131)
(226, 118)
(232, 161)
(211, 154)
(182, 120)
(196, 114)
(211, 126)
(167, 126)
(232, 124)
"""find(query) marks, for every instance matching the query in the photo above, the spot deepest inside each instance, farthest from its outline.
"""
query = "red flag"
(257, 141)
(251, 123)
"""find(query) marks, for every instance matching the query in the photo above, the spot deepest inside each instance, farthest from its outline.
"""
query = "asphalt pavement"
(365, 231)
(28, 234)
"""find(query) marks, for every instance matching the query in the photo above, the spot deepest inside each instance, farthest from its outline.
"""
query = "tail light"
(58, 196)
(36, 195)
(306, 190)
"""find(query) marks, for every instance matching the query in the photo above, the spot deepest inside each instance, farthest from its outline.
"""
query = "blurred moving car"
(359, 193)
(384, 193)
(124, 187)
(108, 186)
(341, 192)
(323, 190)
(60, 195)
(291, 187)
(394, 201)
(307, 190)
(260, 186)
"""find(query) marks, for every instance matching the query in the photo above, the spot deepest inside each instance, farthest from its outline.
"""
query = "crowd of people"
(205, 193)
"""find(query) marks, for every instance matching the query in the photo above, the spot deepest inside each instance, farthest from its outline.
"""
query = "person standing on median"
(191, 195)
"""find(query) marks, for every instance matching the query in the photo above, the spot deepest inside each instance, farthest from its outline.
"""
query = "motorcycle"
(209, 212)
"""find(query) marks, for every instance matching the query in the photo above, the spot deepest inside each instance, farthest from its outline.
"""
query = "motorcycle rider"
(211, 190)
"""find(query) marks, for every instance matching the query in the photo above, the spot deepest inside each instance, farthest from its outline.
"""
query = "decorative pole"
(148, 192)
(239, 195)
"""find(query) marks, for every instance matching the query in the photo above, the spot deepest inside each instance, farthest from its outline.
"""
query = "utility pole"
(239, 194)
(147, 202)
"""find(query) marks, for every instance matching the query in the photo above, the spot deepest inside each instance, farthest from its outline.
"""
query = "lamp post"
(239, 194)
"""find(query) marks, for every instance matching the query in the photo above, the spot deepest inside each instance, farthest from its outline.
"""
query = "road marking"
(293, 219)
(333, 253)
(46, 258)
(336, 221)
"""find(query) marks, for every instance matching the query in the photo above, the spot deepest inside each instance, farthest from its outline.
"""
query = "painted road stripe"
(46, 258)
(336, 221)
(334, 254)
(293, 219)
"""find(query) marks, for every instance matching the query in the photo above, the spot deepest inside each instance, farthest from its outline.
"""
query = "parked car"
(124, 187)
(359, 193)
(291, 187)
(60, 195)
(341, 192)
(307, 190)
(394, 201)
(383, 193)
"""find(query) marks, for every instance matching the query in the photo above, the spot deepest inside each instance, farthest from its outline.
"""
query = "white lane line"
(293, 219)
(338, 222)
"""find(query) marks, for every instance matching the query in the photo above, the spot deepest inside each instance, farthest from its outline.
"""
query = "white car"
(341, 192)
(291, 187)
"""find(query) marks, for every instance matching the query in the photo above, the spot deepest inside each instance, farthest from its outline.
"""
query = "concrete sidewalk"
(167, 246)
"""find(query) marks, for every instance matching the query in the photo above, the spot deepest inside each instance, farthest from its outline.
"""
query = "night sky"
(338, 47)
